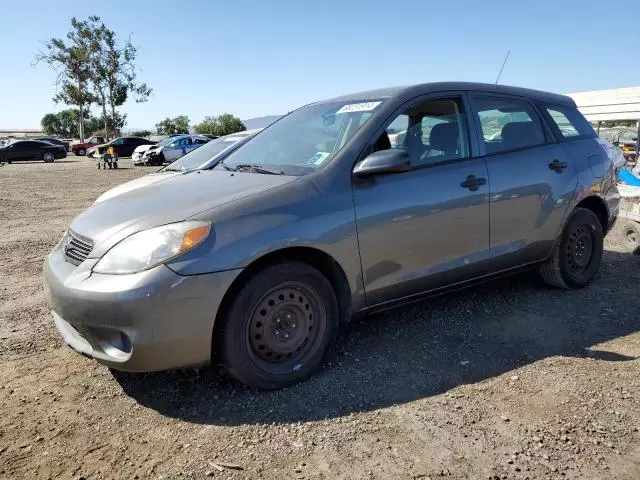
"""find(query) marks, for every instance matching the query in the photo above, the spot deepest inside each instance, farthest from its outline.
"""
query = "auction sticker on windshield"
(359, 107)
(318, 158)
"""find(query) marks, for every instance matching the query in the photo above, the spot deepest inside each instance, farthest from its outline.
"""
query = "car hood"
(137, 183)
(178, 198)
(143, 148)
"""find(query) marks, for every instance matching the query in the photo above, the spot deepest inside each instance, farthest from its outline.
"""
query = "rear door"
(577, 136)
(428, 227)
(532, 179)
(33, 150)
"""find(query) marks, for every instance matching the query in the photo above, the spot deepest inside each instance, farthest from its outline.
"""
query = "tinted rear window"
(570, 122)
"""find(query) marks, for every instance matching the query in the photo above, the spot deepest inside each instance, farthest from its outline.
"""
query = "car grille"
(76, 248)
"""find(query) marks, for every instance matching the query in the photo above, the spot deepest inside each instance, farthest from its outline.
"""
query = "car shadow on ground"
(420, 350)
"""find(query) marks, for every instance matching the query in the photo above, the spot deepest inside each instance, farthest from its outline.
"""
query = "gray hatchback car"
(256, 262)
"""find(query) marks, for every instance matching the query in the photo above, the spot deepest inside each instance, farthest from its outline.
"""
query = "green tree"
(113, 73)
(141, 133)
(65, 123)
(224, 124)
(71, 59)
(93, 67)
(169, 126)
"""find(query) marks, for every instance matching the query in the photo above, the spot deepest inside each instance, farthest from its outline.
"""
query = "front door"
(532, 180)
(427, 227)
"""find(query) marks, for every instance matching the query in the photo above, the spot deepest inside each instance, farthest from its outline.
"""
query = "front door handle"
(557, 166)
(472, 183)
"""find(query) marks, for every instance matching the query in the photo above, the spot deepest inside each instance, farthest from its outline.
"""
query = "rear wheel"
(279, 327)
(631, 235)
(577, 254)
(48, 157)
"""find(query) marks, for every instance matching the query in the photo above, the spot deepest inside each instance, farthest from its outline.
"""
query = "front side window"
(118, 141)
(433, 131)
(570, 122)
(508, 124)
(304, 140)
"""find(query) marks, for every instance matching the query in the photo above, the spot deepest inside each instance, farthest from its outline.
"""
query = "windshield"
(166, 141)
(199, 157)
(303, 141)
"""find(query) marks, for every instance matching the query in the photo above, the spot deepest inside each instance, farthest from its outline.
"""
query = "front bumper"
(137, 158)
(149, 321)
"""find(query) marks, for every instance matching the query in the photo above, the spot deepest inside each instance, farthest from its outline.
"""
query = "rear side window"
(508, 124)
(570, 122)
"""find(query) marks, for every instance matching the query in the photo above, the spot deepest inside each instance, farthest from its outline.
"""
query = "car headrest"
(521, 134)
(444, 137)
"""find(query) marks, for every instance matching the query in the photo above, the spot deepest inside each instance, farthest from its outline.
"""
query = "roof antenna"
(503, 64)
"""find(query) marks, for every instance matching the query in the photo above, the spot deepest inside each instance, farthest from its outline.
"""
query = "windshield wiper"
(227, 167)
(257, 168)
(169, 169)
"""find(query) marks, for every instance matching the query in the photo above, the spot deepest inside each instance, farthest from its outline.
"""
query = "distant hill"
(260, 122)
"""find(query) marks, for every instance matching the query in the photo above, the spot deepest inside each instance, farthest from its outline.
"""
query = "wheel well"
(597, 206)
(318, 259)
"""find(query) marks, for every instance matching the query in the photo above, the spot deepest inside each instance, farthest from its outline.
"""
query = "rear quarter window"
(569, 123)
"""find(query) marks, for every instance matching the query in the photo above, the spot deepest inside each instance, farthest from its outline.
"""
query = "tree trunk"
(81, 122)
(113, 112)
(104, 114)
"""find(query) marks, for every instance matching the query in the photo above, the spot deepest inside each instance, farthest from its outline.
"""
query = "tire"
(159, 160)
(48, 157)
(577, 254)
(279, 327)
(631, 236)
(81, 151)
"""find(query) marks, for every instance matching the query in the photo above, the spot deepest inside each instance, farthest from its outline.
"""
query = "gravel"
(509, 380)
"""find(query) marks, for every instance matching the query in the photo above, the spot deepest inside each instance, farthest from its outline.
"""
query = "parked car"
(168, 150)
(205, 157)
(257, 262)
(124, 146)
(54, 141)
(22, 150)
(81, 148)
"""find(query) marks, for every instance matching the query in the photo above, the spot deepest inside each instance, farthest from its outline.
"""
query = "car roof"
(410, 91)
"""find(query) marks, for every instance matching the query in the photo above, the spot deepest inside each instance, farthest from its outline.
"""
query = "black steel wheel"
(577, 254)
(285, 326)
(279, 327)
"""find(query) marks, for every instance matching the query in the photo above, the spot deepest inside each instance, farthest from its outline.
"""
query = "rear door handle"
(557, 166)
(472, 183)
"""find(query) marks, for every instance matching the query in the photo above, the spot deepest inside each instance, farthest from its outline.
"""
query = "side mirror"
(393, 160)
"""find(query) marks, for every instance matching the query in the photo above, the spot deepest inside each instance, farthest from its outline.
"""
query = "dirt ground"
(510, 380)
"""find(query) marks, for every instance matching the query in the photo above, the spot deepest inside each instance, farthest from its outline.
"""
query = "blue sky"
(261, 57)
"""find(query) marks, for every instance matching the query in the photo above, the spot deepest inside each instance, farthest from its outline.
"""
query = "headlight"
(149, 248)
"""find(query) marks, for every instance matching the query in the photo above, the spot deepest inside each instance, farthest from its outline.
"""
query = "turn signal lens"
(193, 237)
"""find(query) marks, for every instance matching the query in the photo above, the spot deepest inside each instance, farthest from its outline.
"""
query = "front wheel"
(279, 327)
(81, 152)
(48, 157)
(578, 252)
